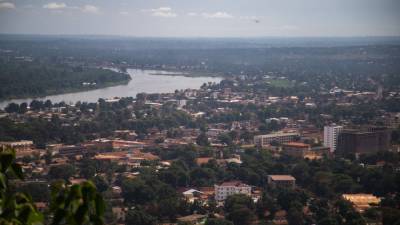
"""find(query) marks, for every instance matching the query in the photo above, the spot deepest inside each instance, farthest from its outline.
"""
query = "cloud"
(192, 14)
(161, 12)
(7, 5)
(90, 9)
(124, 13)
(217, 15)
(60, 6)
(248, 18)
(55, 6)
(289, 28)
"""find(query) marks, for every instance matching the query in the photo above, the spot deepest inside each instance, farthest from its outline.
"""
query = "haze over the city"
(207, 18)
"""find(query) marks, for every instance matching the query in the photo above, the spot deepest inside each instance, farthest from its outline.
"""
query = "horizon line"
(201, 37)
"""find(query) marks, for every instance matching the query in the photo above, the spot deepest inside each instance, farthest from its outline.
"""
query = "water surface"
(142, 81)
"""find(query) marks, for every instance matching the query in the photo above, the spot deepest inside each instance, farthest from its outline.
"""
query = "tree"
(218, 222)
(295, 216)
(36, 105)
(267, 202)
(286, 197)
(48, 157)
(238, 201)
(78, 204)
(241, 216)
(136, 191)
(48, 103)
(15, 208)
(23, 108)
(61, 172)
(101, 183)
(37, 190)
(239, 209)
(202, 140)
(137, 216)
(225, 139)
(347, 213)
(12, 108)
(88, 171)
(390, 216)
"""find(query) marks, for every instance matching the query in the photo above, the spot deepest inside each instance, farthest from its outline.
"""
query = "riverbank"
(187, 74)
(69, 90)
(140, 81)
(28, 79)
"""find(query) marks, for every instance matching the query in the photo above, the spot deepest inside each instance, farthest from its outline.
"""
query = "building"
(192, 195)
(361, 202)
(281, 181)
(71, 150)
(280, 137)
(364, 141)
(296, 149)
(17, 145)
(302, 150)
(318, 153)
(194, 219)
(22, 148)
(230, 188)
(331, 134)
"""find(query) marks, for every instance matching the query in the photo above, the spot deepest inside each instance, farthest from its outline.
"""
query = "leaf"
(88, 191)
(17, 169)
(35, 218)
(58, 216)
(6, 159)
(3, 179)
(80, 214)
(24, 211)
(100, 205)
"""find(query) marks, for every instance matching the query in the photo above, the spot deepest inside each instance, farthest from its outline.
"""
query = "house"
(119, 213)
(296, 149)
(226, 189)
(192, 194)
(281, 181)
(22, 148)
(194, 219)
(17, 145)
(361, 202)
(280, 218)
(203, 160)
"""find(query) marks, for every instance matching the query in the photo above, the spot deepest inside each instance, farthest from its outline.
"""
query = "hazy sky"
(202, 18)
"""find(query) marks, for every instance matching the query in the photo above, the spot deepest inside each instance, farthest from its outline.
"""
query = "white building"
(230, 188)
(280, 137)
(331, 134)
(182, 103)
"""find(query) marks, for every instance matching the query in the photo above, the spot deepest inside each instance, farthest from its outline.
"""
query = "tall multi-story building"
(331, 134)
(280, 137)
(230, 188)
(367, 141)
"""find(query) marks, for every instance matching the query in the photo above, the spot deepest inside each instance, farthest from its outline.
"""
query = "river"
(142, 81)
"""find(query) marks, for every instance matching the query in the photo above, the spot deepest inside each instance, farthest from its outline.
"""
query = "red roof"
(297, 145)
(233, 183)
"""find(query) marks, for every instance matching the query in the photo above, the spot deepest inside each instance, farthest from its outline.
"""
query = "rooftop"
(282, 177)
(233, 183)
(297, 145)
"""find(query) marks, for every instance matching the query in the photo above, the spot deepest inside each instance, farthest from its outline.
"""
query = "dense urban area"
(302, 134)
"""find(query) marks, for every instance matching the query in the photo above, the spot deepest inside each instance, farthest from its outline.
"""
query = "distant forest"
(19, 78)
(64, 62)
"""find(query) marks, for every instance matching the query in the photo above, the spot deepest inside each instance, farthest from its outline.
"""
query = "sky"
(202, 18)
